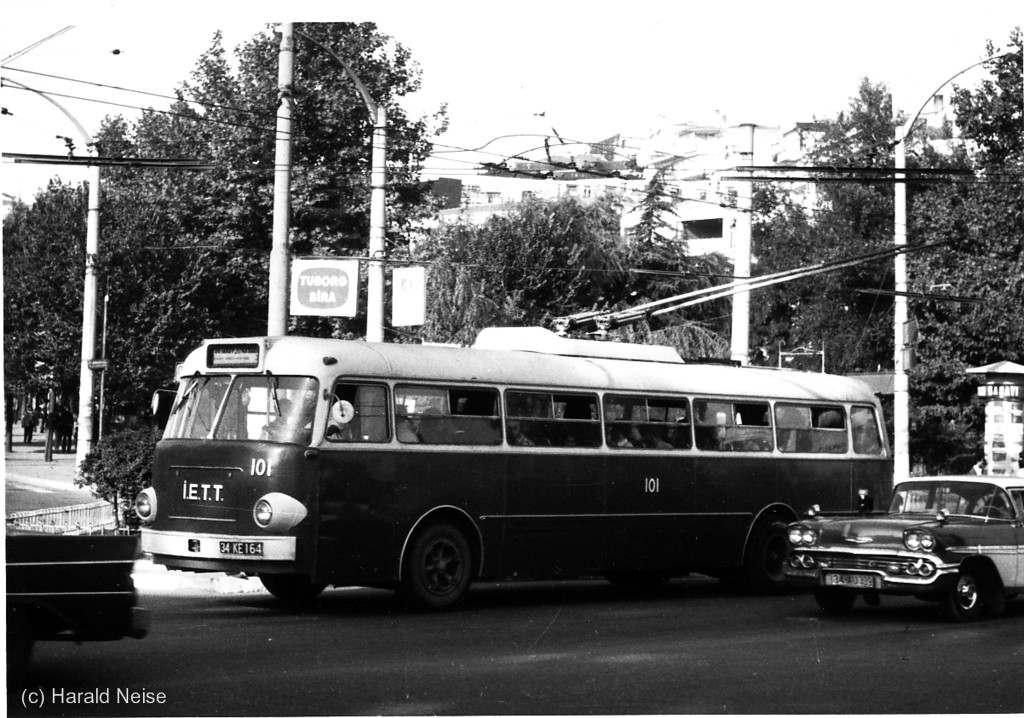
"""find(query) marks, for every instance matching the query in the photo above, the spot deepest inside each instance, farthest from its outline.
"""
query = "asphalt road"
(546, 648)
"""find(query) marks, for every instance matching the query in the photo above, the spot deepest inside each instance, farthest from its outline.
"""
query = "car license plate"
(242, 548)
(852, 580)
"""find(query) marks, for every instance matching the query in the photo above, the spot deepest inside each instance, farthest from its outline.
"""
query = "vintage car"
(68, 588)
(957, 540)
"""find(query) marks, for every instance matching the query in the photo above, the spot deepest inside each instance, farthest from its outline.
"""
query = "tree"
(540, 261)
(184, 254)
(980, 226)
(841, 308)
(44, 266)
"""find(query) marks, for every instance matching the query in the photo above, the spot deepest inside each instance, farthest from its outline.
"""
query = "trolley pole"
(277, 293)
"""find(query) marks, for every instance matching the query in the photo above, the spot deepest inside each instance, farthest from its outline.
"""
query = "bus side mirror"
(163, 400)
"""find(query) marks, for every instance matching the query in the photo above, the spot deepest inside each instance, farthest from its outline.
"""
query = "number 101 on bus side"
(313, 463)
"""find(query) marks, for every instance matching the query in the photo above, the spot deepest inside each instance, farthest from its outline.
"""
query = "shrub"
(118, 467)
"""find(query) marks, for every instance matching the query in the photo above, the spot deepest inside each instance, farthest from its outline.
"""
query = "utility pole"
(277, 294)
(741, 263)
(92, 244)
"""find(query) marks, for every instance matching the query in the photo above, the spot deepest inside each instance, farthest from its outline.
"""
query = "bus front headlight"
(277, 512)
(145, 505)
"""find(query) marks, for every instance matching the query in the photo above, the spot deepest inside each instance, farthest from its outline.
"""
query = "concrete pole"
(901, 383)
(85, 387)
(277, 292)
(741, 263)
(378, 218)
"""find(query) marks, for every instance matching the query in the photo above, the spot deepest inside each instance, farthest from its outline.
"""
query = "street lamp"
(92, 242)
(901, 382)
(375, 278)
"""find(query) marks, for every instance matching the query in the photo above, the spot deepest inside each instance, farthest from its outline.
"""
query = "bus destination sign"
(233, 356)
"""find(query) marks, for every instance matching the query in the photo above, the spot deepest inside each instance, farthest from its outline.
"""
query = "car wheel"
(834, 600)
(962, 601)
(438, 569)
(291, 588)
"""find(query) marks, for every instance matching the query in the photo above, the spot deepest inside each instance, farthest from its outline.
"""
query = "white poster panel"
(325, 287)
(409, 296)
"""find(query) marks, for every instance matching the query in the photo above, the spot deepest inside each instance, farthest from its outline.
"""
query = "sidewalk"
(31, 482)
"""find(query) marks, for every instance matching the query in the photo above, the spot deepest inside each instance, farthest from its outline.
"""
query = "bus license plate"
(242, 548)
(852, 580)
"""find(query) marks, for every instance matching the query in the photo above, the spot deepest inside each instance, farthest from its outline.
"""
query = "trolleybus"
(315, 462)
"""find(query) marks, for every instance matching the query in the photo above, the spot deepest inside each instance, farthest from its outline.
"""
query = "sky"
(582, 69)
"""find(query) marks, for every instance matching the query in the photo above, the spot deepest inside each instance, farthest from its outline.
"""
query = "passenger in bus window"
(434, 427)
(405, 426)
(516, 437)
(617, 438)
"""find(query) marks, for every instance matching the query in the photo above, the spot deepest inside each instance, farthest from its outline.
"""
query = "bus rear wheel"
(291, 588)
(765, 559)
(438, 569)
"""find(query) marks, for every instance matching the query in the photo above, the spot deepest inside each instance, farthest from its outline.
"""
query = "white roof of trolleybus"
(542, 359)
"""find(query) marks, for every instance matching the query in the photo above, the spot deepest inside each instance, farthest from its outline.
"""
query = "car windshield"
(240, 408)
(959, 498)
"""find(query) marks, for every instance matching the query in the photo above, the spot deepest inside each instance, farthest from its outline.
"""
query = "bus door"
(555, 493)
(650, 483)
(734, 474)
(358, 487)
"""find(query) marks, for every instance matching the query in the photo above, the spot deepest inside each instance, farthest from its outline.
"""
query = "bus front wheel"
(438, 568)
(291, 588)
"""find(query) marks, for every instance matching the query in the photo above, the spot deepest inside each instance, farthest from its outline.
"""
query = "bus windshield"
(244, 408)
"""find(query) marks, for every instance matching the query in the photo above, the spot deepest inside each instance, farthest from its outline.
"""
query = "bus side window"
(727, 426)
(542, 419)
(447, 415)
(866, 438)
(641, 423)
(810, 429)
(358, 413)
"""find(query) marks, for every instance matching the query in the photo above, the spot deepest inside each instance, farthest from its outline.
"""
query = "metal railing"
(82, 519)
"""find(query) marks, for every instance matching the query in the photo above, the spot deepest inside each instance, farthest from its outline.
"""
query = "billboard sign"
(325, 287)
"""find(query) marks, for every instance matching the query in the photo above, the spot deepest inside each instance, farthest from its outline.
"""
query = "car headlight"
(277, 512)
(803, 535)
(145, 505)
(916, 540)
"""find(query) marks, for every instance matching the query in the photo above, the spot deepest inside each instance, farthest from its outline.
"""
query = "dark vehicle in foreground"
(71, 588)
(957, 540)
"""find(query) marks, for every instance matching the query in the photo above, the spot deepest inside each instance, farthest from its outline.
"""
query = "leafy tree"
(541, 261)
(839, 308)
(44, 263)
(981, 227)
(184, 253)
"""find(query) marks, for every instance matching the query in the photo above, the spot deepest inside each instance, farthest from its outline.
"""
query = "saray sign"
(325, 287)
